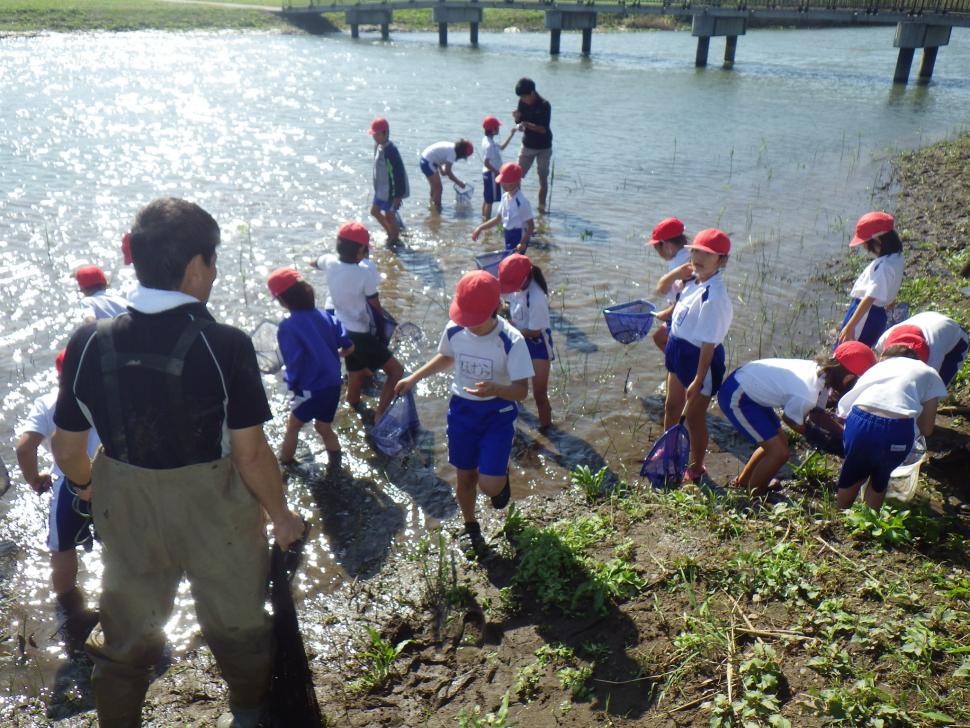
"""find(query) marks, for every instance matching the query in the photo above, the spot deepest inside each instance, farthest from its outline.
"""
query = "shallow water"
(268, 133)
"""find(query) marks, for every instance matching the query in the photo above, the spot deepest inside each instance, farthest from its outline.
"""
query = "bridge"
(920, 24)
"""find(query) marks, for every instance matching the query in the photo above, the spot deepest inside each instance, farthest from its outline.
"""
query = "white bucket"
(904, 480)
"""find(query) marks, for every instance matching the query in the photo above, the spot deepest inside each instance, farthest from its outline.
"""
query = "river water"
(268, 132)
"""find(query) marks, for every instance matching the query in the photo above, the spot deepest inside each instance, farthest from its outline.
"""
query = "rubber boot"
(79, 621)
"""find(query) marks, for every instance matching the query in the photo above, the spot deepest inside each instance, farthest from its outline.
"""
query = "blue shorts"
(681, 358)
(480, 434)
(427, 168)
(874, 447)
(490, 188)
(383, 205)
(873, 325)
(758, 422)
(952, 362)
(540, 347)
(320, 404)
(70, 520)
(513, 237)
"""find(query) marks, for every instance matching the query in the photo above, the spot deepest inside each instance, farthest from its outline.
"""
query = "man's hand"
(517, 116)
(288, 529)
(42, 483)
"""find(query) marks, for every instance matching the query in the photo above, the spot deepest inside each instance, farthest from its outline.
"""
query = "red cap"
(491, 123)
(59, 361)
(911, 337)
(870, 225)
(510, 173)
(89, 276)
(126, 248)
(379, 125)
(855, 356)
(712, 240)
(513, 272)
(476, 298)
(354, 232)
(282, 279)
(669, 227)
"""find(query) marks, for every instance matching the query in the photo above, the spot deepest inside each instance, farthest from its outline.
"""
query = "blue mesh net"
(382, 325)
(665, 464)
(267, 349)
(489, 261)
(629, 322)
(397, 431)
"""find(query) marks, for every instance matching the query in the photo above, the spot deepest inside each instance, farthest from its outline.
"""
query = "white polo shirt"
(792, 384)
(440, 153)
(491, 152)
(349, 286)
(102, 305)
(896, 387)
(514, 210)
(529, 309)
(880, 279)
(703, 312)
(500, 356)
(940, 332)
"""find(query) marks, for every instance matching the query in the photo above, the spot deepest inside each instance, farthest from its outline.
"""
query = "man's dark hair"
(298, 297)
(525, 86)
(347, 250)
(167, 234)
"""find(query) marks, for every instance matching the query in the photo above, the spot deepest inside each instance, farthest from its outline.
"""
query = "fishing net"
(463, 195)
(408, 332)
(629, 322)
(664, 466)
(382, 325)
(898, 314)
(267, 349)
(396, 433)
(823, 431)
(489, 261)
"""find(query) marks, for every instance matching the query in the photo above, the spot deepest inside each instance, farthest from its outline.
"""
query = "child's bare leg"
(63, 570)
(696, 422)
(873, 499)
(393, 371)
(491, 484)
(776, 454)
(660, 337)
(376, 212)
(486, 211)
(435, 182)
(329, 437)
(745, 475)
(674, 403)
(465, 493)
(290, 437)
(540, 391)
(355, 382)
(846, 496)
(391, 226)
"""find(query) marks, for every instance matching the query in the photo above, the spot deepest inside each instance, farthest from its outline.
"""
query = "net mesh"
(629, 322)
(664, 466)
(396, 433)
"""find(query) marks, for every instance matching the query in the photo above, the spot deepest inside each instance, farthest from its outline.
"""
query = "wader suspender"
(171, 364)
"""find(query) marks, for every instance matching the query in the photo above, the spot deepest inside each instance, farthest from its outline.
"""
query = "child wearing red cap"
(694, 355)
(751, 393)
(390, 181)
(668, 239)
(882, 412)
(353, 293)
(492, 368)
(945, 341)
(437, 160)
(876, 287)
(98, 302)
(492, 162)
(514, 211)
(312, 343)
(525, 289)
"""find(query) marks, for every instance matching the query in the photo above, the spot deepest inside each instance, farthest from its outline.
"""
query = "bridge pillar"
(359, 15)
(444, 15)
(561, 19)
(385, 31)
(473, 35)
(704, 27)
(355, 31)
(909, 37)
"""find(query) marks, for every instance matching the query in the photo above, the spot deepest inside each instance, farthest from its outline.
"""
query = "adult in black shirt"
(533, 116)
(185, 471)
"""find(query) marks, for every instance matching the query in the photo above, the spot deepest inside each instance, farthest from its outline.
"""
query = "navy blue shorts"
(490, 188)
(952, 362)
(873, 325)
(539, 348)
(383, 205)
(874, 447)
(427, 168)
(69, 525)
(757, 422)
(320, 404)
(480, 434)
(681, 358)
(512, 238)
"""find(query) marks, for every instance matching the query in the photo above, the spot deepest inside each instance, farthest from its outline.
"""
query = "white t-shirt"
(880, 279)
(500, 356)
(102, 305)
(491, 152)
(940, 332)
(349, 286)
(896, 387)
(703, 312)
(514, 210)
(41, 420)
(529, 309)
(440, 153)
(793, 384)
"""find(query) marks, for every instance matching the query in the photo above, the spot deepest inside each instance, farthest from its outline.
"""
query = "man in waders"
(184, 475)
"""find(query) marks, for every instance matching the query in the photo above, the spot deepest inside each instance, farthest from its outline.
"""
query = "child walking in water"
(527, 293)
(694, 355)
(751, 393)
(492, 368)
(514, 211)
(491, 163)
(311, 343)
(669, 241)
(353, 290)
(390, 181)
(437, 160)
(877, 285)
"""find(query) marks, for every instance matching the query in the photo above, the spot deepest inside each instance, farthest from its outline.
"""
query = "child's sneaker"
(472, 542)
(502, 499)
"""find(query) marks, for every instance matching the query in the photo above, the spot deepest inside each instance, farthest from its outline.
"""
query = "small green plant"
(758, 701)
(527, 677)
(861, 704)
(475, 719)
(886, 526)
(576, 680)
(592, 484)
(814, 471)
(377, 661)
(780, 572)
